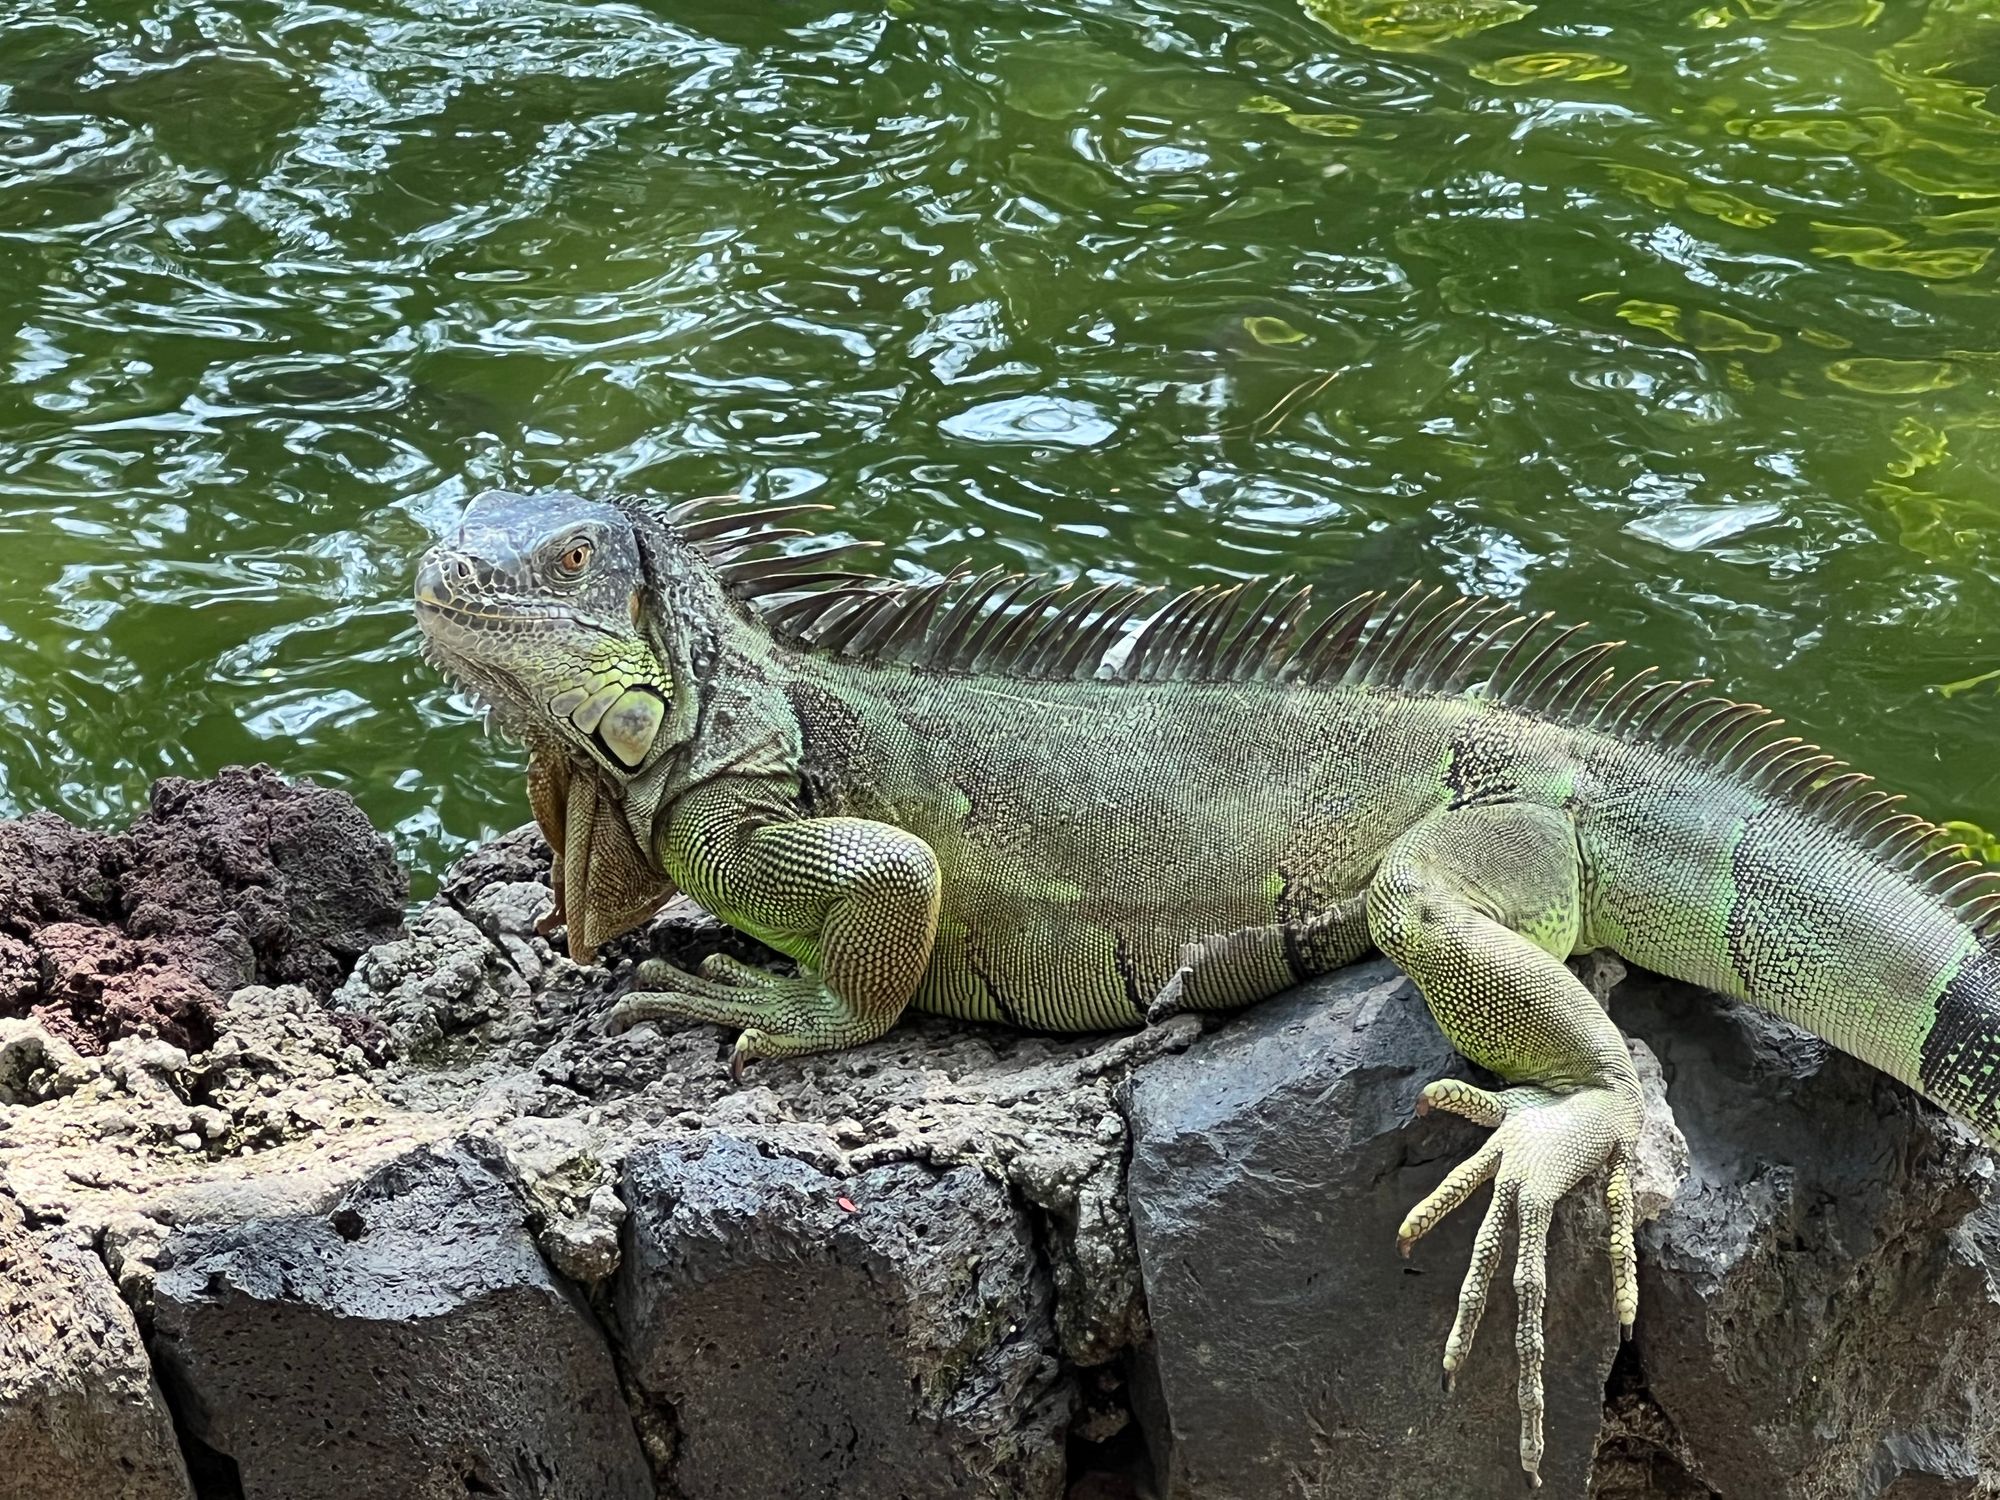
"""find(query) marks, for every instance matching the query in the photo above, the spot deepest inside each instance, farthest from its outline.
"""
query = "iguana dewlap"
(941, 795)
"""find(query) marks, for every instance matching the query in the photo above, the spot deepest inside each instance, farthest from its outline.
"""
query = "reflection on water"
(1679, 318)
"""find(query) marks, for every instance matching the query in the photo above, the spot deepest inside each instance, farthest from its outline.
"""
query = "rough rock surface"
(1818, 1320)
(895, 1317)
(1296, 1352)
(243, 879)
(80, 1415)
(1821, 1308)
(408, 1342)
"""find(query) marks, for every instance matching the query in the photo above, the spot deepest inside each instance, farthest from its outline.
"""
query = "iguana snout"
(533, 604)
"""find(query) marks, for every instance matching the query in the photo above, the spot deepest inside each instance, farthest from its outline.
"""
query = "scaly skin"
(1060, 846)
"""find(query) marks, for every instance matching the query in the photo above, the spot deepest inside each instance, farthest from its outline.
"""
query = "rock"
(80, 1416)
(577, 1211)
(1272, 1163)
(883, 1334)
(96, 984)
(222, 883)
(511, 916)
(442, 979)
(521, 854)
(409, 1342)
(257, 879)
(1661, 1163)
(1820, 1308)
(341, 1209)
(53, 871)
(29, 1061)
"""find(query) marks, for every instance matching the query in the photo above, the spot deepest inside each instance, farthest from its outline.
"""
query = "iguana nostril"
(431, 586)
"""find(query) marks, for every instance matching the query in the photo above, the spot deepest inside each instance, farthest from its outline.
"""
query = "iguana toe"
(1544, 1144)
(1171, 1000)
(1456, 1096)
(659, 992)
(1624, 1246)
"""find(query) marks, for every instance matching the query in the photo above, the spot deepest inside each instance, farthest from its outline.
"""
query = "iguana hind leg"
(854, 901)
(1479, 906)
(1232, 969)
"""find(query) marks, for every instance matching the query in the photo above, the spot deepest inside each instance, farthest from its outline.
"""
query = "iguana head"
(545, 606)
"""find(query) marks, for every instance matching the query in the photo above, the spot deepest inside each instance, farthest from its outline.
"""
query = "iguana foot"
(1172, 998)
(1544, 1144)
(781, 1016)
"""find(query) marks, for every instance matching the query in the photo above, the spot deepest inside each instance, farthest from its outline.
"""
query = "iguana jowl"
(942, 795)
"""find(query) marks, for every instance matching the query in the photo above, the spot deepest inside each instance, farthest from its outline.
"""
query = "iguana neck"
(732, 718)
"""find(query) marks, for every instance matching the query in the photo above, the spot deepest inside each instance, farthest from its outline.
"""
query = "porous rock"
(80, 1415)
(243, 878)
(520, 854)
(1817, 1316)
(257, 878)
(1820, 1309)
(442, 979)
(409, 1341)
(1295, 1353)
(885, 1334)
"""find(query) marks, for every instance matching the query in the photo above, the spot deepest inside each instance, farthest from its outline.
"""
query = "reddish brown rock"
(97, 984)
(245, 878)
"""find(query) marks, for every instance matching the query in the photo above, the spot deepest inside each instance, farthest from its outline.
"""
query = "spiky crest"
(1422, 641)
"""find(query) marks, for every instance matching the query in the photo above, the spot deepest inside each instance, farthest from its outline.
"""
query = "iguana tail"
(1787, 883)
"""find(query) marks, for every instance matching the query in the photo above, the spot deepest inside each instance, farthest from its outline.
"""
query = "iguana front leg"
(1480, 906)
(854, 901)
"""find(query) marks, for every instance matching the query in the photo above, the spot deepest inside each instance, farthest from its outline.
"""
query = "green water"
(1678, 318)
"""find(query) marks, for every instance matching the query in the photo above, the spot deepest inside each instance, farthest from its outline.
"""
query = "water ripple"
(1687, 323)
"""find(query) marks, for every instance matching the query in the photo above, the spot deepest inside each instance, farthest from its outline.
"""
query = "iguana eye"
(576, 559)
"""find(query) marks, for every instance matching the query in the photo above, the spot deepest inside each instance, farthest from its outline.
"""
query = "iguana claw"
(1543, 1144)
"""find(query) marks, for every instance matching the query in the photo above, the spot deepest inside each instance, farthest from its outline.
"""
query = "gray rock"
(521, 854)
(1819, 1310)
(408, 1343)
(1295, 1353)
(30, 1060)
(80, 1416)
(886, 1334)
(445, 979)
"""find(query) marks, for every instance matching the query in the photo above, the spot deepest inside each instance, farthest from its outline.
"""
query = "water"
(1679, 318)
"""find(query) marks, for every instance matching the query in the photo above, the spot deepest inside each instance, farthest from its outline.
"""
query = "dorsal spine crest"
(1423, 641)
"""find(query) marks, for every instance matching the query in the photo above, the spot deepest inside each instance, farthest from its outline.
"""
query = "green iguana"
(999, 800)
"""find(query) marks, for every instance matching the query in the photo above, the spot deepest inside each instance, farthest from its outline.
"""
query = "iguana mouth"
(461, 622)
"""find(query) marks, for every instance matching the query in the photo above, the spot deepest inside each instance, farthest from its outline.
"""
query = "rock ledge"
(374, 1210)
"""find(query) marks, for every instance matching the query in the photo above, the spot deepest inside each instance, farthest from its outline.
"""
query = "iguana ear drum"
(629, 725)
